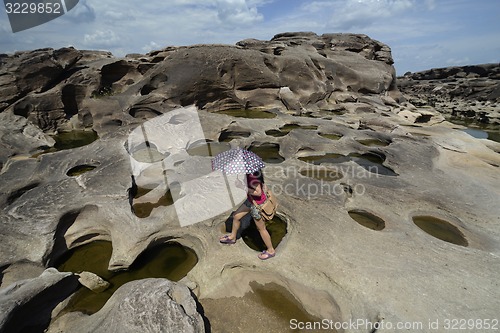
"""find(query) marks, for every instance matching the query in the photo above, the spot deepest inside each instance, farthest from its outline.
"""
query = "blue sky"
(422, 34)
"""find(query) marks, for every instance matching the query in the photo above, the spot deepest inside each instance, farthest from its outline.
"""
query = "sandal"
(227, 240)
(266, 255)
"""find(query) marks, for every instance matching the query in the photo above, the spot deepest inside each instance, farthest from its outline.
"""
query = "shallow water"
(374, 142)
(248, 113)
(208, 149)
(371, 162)
(267, 308)
(284, 130)
(477, 130)
(143, 210)
(172, 261)
(74, 139)
(268, 152)
(227, 136)
(148, 155)
(331, 136)
(441, 229)
(70, 140)
(276, 227)
(367, 219)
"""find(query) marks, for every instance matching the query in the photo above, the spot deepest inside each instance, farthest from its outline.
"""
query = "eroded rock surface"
(26, 305)
(332, 105)
(148, 305)
(467, 92)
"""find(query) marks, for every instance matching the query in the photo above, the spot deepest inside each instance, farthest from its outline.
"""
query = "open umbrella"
(237, 161)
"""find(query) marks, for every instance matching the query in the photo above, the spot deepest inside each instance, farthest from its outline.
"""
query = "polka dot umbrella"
(237, 161)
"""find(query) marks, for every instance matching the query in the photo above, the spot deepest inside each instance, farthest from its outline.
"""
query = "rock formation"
(149, 305)
(468, 92)
(328, 102)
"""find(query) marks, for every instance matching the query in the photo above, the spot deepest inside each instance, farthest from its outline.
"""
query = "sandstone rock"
(336, 97)
(34, 71)
(148, 305)
(468, 92)
(27, 304)
(93, 282)
(216, 77)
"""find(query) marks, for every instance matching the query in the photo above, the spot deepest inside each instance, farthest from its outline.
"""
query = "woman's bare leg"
(237, 216)
(264, 234)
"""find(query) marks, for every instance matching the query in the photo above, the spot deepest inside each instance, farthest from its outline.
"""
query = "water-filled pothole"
(374, 142)
(74, 139)
(330, 158)
(323, 174)
(276, 228)
(147, 153)
(70, 140)
(441, 229)
(284, 130)
(331, 136)
(228, 135)
(371, 161)
(325, 114)
(144, 209)
(266, 308)
(248, 113)
(268, 152)
(80, 169)
(172, 261)
(367, 219)
(207, 148)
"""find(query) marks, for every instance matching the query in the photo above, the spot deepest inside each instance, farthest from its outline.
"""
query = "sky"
(422, 34)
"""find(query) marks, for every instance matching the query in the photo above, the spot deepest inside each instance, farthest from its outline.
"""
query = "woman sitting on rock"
(256, 193)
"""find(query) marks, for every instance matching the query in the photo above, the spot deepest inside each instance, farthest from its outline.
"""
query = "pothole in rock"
(207, 148)
(284, 130)
(171, 261)
(266, 308)
(331, 136)
(144, 113)
(248, 113)
(142, 205)
(323, 174)
(228, 135)
(268, 152)
(441, 229)
(325, 114)
(374, 142)
(367, 219)
(330, 158)
(276, 227)
(74, 139)
(80, 170)
(147, 152)
(373, 162)
(70, 140)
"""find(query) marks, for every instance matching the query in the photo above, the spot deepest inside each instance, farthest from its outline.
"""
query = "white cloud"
(102, 38)
(150, 47)
(237, 12)
(421, 33)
